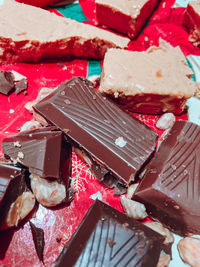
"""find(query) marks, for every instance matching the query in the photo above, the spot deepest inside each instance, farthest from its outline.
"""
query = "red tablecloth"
(16, 246)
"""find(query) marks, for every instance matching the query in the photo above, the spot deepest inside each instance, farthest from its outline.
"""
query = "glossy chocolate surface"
(170, 188)
(107, 237)
(112, 137)
(12, 185)
(44, 151)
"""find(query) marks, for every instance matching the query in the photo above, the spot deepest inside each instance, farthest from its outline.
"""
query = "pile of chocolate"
(119, 149)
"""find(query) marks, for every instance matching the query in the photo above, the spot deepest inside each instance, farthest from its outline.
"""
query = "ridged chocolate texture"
(44, 151)
(12, 185)
(107, 237)
(115, 139)
(170, 188)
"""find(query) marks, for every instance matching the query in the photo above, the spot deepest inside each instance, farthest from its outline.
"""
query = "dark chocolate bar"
(170, 187)
(6, 82)
(44, 151)
(111, 137)
(12, 185)
(38, 239)
(107, 237)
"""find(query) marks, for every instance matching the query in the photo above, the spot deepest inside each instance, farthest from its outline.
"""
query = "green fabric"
(72, 11)
(94, 67)
(75, 12)
(193, 76)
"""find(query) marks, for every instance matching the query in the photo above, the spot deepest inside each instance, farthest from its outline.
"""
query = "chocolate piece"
(170, 187)
(44, 151)
(125, 16)
(21, 86)
(25, 43)
(38, 239)
(44, 3)
(107, 237)
(192, 22)
(165, 87)
(101, 173)
(118, 142)
(6, 82)
(12, 185)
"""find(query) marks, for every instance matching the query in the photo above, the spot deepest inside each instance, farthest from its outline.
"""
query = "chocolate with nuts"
(13, 195)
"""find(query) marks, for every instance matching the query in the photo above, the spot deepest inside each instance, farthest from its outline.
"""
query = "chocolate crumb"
(125, 225)
(58, 239)
(111, 242)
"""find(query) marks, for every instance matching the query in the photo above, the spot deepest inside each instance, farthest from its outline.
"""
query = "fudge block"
(107, 237)
(192, 21)
(124, 16)
(170, 187)
(39, 34)
(154, 81)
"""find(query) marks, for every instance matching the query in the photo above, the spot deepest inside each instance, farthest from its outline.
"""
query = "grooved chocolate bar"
(107, 237)
(170, 188)
(111, 137)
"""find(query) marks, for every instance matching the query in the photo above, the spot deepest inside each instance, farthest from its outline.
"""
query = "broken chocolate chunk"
(44, 151)
(122, 146)
(21, 86)
(13, 196)
(38, 239)
(47, 154)
(170, 187)
(6, 82)
(102, 240)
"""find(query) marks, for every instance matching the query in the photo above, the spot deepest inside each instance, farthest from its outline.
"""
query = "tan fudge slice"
(152, 82)
(125, 16)
(192, 21)
(34, 33)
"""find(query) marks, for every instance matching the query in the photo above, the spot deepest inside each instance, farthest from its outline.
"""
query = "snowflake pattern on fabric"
(81, 174)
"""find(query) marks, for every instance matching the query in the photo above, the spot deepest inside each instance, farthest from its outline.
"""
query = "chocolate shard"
(44, 151)
(170, 186)
(38, 239)
(12, 185)
(21, 86)
(111, 137)
(107, 237)
(6, 82)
